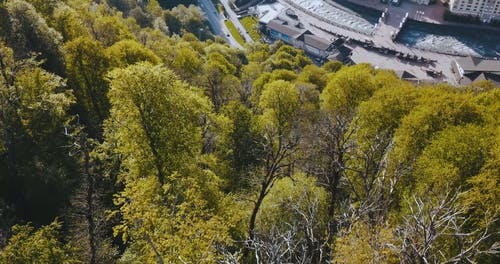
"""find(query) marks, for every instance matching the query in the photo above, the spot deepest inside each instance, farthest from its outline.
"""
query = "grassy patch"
(236, 34)
(250, 24)
(220, 8)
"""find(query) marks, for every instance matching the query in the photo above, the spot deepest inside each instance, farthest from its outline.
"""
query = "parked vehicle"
(396, 2)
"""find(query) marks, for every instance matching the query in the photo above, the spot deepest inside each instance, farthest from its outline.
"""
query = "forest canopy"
(129, 135)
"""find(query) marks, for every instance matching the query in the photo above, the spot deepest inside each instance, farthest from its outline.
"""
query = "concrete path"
(234, 18)
(217, 22)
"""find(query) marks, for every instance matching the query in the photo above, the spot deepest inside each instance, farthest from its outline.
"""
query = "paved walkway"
(234, 18)
(217, 24)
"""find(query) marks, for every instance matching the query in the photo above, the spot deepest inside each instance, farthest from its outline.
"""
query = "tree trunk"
(332, 222)
(155, 250)
(90, 206)
(253, 218)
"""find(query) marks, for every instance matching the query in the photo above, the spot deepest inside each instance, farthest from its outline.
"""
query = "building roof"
(405, 75)
(268, 12)
(480, 76)
(285, 28)
(403, 69)
(471, 64)
(242, 4)
(317, 42)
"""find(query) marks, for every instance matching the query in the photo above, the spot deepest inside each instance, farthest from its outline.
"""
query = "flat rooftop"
(472, 64)
(317, 42)
(390, 62)
(286, 28)
(268, 12)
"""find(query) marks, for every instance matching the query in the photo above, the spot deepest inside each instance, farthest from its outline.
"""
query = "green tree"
(249, 73)
(86, 65)
(29, 32)
(287, 58)
(329, 139)
(190, 19)
(314, 75)
(363, 243)
(239, 145)
(436, 110)
(28, 245)
(292, 222)
(218, 79)
(280, 107)
(452, 157)
(68, 22)
(36, 173)
(127, 52)
(109, 29)
(187, 63)
(45, 8)
(154, 99)
(155, 127)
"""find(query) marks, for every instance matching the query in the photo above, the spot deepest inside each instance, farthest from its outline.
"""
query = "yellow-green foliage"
(250, 24)
(28, 245)
(452, 156)
(364, 244)
(280, 105)
(160, 145)
(127, 52)
(189, 136)
(483, 196)
(234, 31)
(347, 88)
(289, 199)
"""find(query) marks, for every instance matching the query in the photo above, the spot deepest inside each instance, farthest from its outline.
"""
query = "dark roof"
(405, 75)
(345, 50)
(317, 42)
(242, 4)
(284, 28)
(479, 76)
(471, 64)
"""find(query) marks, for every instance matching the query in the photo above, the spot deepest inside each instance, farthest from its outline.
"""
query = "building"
(422, 2)
(317, 46)
(266, 12)
(239, 5)
(407, 76)
(294, 34)
(287, 32)
(486, 10)
(412, 72)
(470, 69)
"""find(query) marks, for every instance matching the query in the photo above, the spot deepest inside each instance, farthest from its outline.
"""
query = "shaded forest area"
(128, 137)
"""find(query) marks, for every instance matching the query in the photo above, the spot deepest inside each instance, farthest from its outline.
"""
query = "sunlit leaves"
(28, 245)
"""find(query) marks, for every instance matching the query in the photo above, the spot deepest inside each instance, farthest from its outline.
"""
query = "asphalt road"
(217, 22)
(234, 18)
